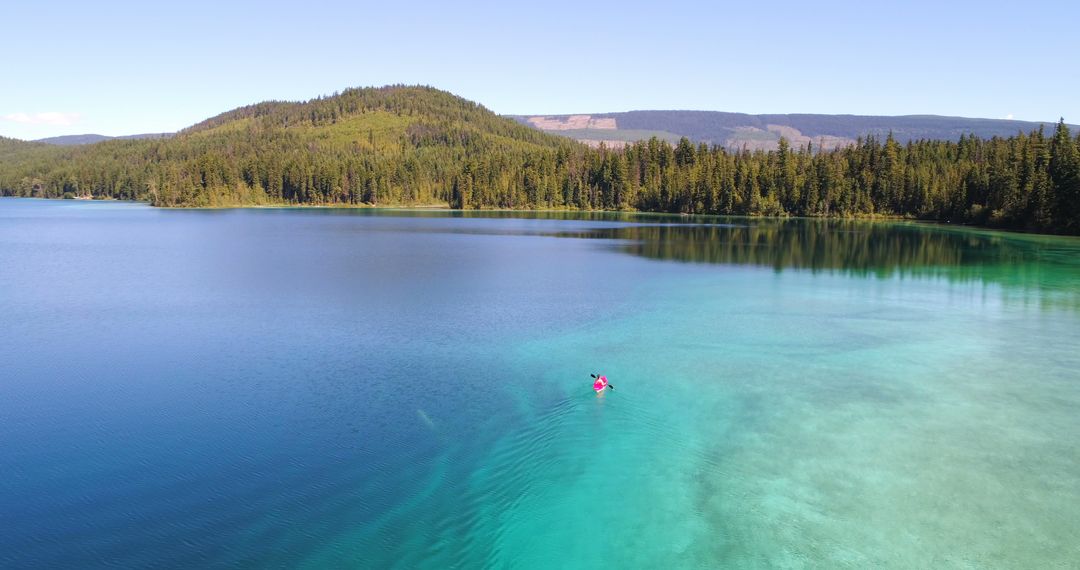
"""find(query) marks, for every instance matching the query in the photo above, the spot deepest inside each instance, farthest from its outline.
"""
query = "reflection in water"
(1047, 266)
(1038, 269)
(1030, 268)
(562, 215)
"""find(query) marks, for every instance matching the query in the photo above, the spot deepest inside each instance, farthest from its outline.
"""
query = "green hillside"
(14, 148)
(390, 145)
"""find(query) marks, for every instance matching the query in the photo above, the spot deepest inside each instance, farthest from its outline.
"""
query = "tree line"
(412, 145)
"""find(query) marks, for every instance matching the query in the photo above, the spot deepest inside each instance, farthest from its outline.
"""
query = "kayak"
(600, 384)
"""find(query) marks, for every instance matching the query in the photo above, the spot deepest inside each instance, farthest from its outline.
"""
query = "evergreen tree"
(1065, 179)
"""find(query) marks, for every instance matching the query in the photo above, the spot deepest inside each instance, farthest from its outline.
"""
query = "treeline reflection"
(1045, 266)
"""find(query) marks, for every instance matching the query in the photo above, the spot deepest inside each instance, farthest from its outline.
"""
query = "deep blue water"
(371, 388)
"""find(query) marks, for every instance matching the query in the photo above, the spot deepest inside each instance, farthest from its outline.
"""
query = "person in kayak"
(601, 383)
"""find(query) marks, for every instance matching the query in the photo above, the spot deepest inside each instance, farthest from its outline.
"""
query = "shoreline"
(448, 209)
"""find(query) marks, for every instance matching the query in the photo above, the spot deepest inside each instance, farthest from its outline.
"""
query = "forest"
(406, 145)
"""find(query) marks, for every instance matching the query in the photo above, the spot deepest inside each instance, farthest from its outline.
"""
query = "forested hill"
(403, 145)
(8, 146)
(14, 153)
(397, 145)
(738, 130)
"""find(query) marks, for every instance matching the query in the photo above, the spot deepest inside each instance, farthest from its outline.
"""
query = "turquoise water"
(327, 388)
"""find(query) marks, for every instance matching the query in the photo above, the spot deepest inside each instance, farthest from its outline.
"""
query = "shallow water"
(333, 388)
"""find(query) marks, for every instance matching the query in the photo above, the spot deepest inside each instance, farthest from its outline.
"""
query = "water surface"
(372, 388)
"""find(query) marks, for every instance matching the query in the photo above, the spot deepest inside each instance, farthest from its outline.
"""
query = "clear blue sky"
(119, 68)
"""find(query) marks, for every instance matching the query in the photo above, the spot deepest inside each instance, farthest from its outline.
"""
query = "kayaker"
(601, 383)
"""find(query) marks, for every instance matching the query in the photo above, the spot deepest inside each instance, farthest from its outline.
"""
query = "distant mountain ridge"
(71, 140)
(732, 130)
(738, 130)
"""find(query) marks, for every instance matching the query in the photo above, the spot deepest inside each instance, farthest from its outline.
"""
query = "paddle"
(608, 384)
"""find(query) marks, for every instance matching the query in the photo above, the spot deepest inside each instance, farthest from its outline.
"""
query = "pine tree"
(1065, 179)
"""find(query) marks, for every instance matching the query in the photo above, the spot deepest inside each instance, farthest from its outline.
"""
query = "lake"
(377, 388)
